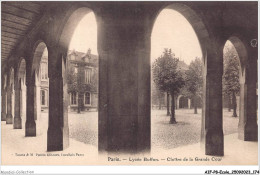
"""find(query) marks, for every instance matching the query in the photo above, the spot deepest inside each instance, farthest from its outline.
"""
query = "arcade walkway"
(124, 72)
(166, 142)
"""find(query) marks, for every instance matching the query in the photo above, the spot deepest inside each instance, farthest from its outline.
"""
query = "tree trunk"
(229, 104)
(234, 102)
(195, 105)
(175, 103)
(168, 108)
(173, 120)
(79, 102)
(160, 103)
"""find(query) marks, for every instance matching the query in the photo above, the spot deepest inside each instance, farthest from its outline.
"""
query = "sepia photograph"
(126, 83)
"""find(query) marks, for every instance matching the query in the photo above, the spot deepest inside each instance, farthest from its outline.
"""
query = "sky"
(85, 35)
(171, 30)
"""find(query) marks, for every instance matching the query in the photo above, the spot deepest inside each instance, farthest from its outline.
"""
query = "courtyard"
(83, 127)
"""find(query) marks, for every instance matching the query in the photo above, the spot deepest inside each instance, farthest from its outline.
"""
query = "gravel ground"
(186, 131)
(84, 127)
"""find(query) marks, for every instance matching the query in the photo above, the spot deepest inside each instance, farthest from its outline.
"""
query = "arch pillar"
(3, 107)
(247, 127)
(58, 130)
(212, 120)
(17, 117)
(37, 96)
(23, 98)
(124, 81)
(189, 103)
(9, 116)
(30, 125)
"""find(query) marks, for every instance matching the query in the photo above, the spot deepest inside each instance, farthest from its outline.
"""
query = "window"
(72, 57)
(44, 71)
(73, 99)
(43, 97)
(87, 98)
(75, 70)
(88, 72)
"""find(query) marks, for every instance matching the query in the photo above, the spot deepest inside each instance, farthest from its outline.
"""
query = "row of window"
(44, 71)
(88, 74)
(43, 98)
(74, 98)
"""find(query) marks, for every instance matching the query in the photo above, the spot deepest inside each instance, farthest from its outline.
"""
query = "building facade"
(44, 81)
(82, 81)
(82, 72)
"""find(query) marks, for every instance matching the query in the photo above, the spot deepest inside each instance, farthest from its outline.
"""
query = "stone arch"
(72, 18)
(10, 96)
(4, 98)
(57, 74)
(178, 101)
(38, 50)
(183, 102)
(247, 127)
(212, 76)
(22, 70)
(242, 53)
(12, 84)
(195, 21)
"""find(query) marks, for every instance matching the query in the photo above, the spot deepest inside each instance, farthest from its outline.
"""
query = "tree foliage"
(194, 81)
(231, 86)
(231, 71)
(166, 75)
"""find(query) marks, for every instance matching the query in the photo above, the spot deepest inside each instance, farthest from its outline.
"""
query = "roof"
(18, 18)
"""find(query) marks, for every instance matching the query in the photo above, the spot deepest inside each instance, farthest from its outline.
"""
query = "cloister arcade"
(124, 45)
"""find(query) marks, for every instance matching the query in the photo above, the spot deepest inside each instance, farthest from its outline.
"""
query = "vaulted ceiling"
(17, 20)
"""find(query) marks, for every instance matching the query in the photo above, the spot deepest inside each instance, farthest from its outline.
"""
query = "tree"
(167, 77)
(231, 86)
(194, 81)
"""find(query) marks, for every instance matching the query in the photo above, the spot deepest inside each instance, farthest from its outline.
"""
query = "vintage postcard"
(130, 83)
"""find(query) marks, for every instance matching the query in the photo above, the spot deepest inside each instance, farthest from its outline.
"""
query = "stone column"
(30, 125)
(37, 96)
(247, 127)
(189, 106)
(124, 80)
(212, 119)
(9, 116)
(58, 130)
(17, 116)
(3, 107)
(23, 101)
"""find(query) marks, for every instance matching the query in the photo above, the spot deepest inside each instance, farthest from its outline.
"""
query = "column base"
(57, 139)
(3, 116)
(30, 129)
(9, 119)
(248, 132)
(17, 123)
(214, 142)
